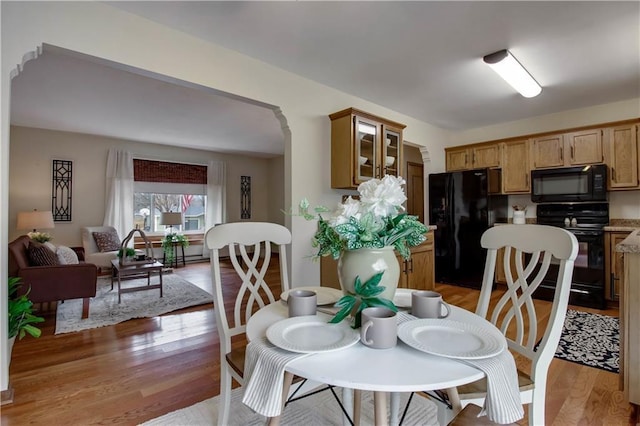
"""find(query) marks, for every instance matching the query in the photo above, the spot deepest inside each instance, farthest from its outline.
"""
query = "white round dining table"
(399, 369)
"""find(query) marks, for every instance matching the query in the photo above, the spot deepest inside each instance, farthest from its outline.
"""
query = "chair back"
(530, 253)
(249, 245)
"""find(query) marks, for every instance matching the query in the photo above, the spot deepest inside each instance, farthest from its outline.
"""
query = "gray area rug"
(320, 409)
(104, 309)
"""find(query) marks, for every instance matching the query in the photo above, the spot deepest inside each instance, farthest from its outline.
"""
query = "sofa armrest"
(61, 282)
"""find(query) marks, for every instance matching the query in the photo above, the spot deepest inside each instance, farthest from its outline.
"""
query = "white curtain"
(216, 197)
(119, 192)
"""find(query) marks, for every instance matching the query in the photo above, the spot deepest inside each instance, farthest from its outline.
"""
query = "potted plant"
(364, 233)
(21, 318)
(128, 252)
(169, 242)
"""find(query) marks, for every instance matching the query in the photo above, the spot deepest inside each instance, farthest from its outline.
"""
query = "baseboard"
(6, 396)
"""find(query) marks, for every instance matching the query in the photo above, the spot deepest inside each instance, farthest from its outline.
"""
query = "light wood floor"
(143, 368)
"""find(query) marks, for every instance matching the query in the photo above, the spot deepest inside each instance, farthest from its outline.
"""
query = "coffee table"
(121, 271)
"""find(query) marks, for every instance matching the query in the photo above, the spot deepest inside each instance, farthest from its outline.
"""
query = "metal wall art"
(245, 197)
(61, 190)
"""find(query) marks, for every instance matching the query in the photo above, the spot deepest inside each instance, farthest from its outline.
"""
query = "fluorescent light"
(513, 72)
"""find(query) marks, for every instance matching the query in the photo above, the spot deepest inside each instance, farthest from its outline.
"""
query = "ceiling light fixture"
(508, 67)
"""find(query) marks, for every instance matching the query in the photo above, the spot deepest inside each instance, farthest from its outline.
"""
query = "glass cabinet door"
(366, 149)
(391, 152)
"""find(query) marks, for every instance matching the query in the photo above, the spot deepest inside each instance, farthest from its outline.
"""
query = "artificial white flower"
(350, 208)
(382, 197)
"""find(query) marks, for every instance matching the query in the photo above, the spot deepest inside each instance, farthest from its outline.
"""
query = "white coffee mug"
(302, 302)
(379, 328)
(428, 304)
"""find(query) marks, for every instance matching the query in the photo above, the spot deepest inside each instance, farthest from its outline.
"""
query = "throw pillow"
(66, 256)
(41, 255)
(51, 246)
(107, 241)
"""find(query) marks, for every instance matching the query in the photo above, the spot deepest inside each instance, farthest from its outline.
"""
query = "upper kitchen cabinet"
(481, 156)
(515, 167)
(363, 147)
(547, 151)
(622, 156)
(584, 147)
(458, 159)
(567, 149)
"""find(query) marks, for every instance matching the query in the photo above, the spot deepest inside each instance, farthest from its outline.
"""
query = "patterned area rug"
(177, 293)
(590, 339)
(318, 410)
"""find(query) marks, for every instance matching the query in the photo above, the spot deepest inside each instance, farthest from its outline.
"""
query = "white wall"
(30, 176)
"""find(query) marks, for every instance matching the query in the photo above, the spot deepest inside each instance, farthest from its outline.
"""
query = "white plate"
(311, 334)
(325, 295)
(452, 339)
(402, 298)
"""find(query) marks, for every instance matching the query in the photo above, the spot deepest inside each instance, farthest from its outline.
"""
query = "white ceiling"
(422, 59)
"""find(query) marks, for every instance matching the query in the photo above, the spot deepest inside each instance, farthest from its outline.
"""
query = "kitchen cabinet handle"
(613, 174)
(572, 156)
(405, 267)
(561, 154)
(411, 267)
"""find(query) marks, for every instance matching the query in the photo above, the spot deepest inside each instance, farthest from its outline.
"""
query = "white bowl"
(390, 160)
(388, 141)
(362, 160)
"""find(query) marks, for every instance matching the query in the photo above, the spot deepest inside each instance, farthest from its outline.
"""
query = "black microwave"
(568, 184)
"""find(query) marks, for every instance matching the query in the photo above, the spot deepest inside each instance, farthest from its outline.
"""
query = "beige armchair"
(93, 254)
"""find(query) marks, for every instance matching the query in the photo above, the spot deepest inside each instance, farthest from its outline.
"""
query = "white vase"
(365, 263)
(518, 217)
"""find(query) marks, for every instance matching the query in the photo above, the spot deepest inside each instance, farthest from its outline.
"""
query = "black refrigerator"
(463, 205)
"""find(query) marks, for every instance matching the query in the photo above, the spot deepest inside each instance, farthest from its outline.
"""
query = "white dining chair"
(531, 252)
(249, 247)
(249, 250)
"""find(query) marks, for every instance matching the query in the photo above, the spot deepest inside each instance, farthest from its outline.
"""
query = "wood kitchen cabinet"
(458, 159)
(363, 147)
(474, 157)
(584, 147)
(614, 265)
(419, 271)
(568, 149)
(621, 155)
(547, 151)
(515, 167)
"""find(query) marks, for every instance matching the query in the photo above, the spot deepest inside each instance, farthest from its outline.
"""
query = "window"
(169, 187)
(148, 206)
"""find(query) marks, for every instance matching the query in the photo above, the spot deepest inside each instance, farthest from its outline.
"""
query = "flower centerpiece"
(41, 237)
(363, 233)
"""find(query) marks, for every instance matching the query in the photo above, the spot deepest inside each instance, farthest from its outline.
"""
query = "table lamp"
(170, 219)
(35, 220)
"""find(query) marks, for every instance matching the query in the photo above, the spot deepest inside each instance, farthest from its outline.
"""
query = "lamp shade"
(170, 218)
(35, 220)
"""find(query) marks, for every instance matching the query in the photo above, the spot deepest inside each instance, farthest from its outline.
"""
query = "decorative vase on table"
(365, 263)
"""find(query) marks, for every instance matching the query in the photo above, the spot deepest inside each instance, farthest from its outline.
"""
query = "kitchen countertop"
(622, 225)
(631, 244)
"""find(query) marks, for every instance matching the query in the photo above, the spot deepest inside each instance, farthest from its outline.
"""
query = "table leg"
(357, 406)
(119, 284)
(160, 273)
(183, 263)
(394, 408)
(380, 404)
